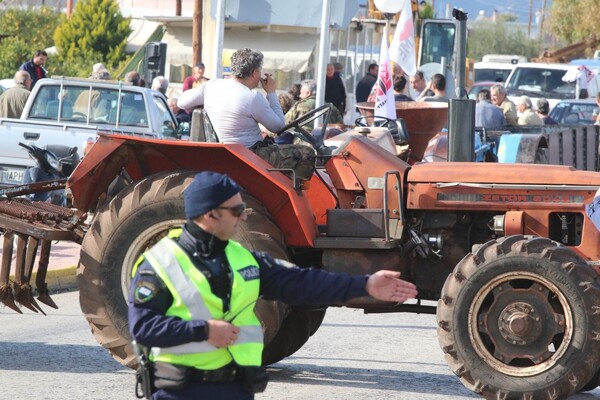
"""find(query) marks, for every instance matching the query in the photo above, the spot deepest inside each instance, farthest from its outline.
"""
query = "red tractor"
(505, 249)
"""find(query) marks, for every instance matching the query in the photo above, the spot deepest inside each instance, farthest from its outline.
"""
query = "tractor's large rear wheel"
(518, 319)
(133, 221)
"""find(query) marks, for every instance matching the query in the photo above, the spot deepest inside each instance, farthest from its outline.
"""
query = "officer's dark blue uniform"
(150, 299)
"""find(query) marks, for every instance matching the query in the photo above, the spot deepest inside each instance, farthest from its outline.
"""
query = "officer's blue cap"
(207, 191)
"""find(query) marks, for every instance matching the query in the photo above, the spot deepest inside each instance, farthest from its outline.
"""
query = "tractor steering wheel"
(396, 128)
(296, 129)
(378, 121)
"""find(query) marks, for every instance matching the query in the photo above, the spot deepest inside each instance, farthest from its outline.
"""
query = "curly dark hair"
(244, 61)
(286, 101)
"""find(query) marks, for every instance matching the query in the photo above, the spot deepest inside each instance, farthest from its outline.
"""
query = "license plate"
(14, 175)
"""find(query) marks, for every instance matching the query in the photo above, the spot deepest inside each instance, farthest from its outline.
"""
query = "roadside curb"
(60, 279)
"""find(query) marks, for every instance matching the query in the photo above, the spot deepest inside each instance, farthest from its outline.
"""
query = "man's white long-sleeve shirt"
(235, 110)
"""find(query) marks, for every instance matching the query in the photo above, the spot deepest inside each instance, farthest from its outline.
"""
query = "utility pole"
(529, 21)
(69, 8)
(542, 19)
(197, 32)
(178, 8)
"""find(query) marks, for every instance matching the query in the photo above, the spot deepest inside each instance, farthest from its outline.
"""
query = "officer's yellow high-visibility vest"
(194, 300)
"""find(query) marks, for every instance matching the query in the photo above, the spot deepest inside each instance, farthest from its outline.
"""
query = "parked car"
(575, 112)
(477, 86)
(6, 84)
(72, 111)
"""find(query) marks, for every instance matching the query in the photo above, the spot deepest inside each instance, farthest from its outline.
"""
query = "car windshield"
(491, 74)
(541, 82)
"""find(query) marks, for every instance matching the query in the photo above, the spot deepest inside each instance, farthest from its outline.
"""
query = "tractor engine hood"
(498, 187)
(501, 174)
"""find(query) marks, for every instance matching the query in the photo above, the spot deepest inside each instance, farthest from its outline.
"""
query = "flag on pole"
(385, 105)
(402, 48)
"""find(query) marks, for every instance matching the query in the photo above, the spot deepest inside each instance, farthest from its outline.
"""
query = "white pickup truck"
(538, 80)
(70, 112)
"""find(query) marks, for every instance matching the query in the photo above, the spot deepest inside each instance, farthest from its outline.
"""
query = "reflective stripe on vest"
(193, 300)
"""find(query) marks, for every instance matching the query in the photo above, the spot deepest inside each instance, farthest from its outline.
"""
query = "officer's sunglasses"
(237, 210)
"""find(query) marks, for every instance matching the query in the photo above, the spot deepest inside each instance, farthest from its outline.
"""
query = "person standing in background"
(35, 67)
(509, 108)
(543, 108)
(161, 84)
(419, 85)
(400, 89)
(528, 116)
(596, 113)
(487, 115)
(196, 79)
(12, 102)
(134, 78)
(335, 92)
(307, 103)
(365, 85)
(438, 85)
(295, 91)
(180, 115)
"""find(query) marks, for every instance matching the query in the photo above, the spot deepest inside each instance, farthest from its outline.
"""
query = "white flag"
(402, 48)
(385, 105)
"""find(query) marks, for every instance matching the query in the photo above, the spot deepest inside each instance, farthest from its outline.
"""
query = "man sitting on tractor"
(236, 110)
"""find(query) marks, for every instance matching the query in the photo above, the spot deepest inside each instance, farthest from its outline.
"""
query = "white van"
(496, 67)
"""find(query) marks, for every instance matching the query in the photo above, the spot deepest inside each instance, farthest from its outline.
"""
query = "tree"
(23, 32)
(573, 20)
(485, 38)
(96, 32)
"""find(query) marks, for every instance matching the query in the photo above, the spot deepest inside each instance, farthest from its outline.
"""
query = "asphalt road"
(352, 356)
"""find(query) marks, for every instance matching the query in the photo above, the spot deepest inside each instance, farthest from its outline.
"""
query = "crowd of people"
(301, 97)
(493, 108)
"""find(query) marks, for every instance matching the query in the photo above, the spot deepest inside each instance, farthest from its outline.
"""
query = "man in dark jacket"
(335, 92)
(35, 67)
(365, 85)
(193, 293)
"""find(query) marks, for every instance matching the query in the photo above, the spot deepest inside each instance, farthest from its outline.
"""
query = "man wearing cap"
(196, 79)
(190, 293)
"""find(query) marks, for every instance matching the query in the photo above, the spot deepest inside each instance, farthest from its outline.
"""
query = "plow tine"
(32, 246)
(40, 281)
(6, 294)
(22, 288)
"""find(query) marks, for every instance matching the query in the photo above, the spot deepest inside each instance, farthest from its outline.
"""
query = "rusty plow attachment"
(26, 227)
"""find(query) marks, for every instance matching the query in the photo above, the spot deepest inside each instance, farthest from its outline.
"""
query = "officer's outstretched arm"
(387, 286)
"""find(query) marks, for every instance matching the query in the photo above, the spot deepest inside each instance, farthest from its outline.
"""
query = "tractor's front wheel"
(519, 318)
(135, 219)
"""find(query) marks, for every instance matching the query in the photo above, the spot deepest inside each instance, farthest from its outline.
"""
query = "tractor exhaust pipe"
(461, 111)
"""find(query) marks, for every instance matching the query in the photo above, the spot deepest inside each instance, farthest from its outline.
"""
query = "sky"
(472, 7)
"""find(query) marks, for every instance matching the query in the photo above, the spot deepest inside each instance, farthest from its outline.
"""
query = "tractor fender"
(136, 158)
(521, 148)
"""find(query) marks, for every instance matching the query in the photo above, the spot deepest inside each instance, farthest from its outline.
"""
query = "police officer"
(193, 293)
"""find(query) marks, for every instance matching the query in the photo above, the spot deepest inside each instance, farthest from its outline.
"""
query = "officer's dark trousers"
(206, 391)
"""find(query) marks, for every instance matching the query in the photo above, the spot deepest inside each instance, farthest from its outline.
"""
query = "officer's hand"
(387, 286)
(222, 333)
